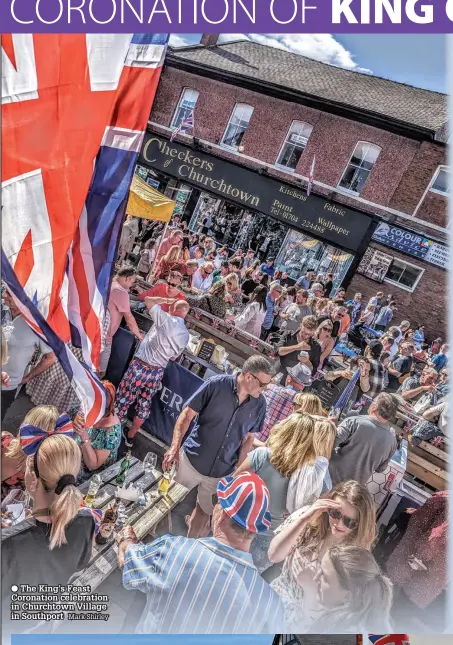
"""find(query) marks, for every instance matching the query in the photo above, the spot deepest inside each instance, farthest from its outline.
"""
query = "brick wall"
(415, 181)
(425, 306)
(333, 138)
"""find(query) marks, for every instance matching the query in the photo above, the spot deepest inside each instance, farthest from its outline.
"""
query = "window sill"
(402, 286)
(346, 191)
(229, 148)
(439, 192)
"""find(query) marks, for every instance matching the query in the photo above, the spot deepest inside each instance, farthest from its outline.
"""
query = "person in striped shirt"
(207, 585)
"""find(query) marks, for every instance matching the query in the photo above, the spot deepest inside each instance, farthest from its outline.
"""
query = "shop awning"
(146, 202)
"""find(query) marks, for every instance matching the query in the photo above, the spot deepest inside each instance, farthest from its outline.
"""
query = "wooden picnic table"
(143, 518)
(425, 461)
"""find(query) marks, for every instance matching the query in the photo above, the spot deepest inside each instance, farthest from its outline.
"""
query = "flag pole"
(162, 238)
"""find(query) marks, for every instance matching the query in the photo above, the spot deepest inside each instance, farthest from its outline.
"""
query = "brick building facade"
(407, 126)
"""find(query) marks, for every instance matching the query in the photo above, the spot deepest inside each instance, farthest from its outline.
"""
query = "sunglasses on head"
(347, 521)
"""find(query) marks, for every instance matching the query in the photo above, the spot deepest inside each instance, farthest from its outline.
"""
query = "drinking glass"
(150, 463)
(95, 484)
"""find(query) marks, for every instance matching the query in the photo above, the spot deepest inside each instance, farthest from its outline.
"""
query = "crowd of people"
(282, 533)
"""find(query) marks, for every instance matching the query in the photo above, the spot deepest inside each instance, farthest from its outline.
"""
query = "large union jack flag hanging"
(74, 111)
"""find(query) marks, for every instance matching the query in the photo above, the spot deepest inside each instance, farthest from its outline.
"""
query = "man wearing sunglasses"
(202, 278)
(222, 418)
(169, 290)
(365, 443)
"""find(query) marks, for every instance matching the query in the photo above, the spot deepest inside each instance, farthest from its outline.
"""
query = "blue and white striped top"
(200, 586)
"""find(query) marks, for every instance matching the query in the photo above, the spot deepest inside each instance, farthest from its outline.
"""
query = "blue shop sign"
(398, 238)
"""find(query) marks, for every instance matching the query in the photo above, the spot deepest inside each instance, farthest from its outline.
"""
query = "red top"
(426, 538)
(160, 291)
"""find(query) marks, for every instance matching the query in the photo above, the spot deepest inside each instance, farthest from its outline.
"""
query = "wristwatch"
(85, 441)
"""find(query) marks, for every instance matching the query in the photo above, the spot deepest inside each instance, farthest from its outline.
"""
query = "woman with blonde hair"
(345, 516)
(234, 294)
(213, 302)
(13, 465)
(171, 261)
(353, 594)
(309, 403)
(293, 466)
(56, 542)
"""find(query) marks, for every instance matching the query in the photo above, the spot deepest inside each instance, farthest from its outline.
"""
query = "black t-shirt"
(290, 360)
(27, 559)
(403, 365)
(328, 288)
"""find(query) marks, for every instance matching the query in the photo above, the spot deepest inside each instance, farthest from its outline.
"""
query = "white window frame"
(236, 105)
(402, 286)
(348, 190)
(433, 181)
(429, 189)
(179, 105)
(286, 142)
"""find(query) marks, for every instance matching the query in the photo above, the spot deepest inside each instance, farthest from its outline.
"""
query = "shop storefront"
(244, 208)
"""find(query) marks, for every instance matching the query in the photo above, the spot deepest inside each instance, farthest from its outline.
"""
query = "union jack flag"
(389, 639)
(184, 126)
(83, 109)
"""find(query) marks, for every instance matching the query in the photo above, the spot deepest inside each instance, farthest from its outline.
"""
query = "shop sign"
(332, 222)
(406, 241)
(374, 264)
(439, 255)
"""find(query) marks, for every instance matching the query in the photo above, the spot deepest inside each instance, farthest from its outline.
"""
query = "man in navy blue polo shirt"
(227, 412)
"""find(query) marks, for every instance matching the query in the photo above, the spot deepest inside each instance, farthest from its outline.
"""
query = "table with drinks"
(133, 493)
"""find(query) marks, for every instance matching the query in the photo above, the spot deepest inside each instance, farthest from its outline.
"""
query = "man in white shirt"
(163, 343)
(22, 344)
(202, 278)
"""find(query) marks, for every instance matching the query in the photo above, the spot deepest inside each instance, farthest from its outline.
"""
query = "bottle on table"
(108, 524)
(124, 467)
(166, 480)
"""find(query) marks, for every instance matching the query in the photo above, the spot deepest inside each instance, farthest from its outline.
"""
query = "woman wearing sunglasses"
(344, 516)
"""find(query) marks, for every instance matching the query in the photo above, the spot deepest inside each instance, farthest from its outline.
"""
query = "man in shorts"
(164, 342)
(227, 411)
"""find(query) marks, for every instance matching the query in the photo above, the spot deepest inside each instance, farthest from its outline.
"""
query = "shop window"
(441, 182)
(186, 104)
(237, 126)
(403, 274)
(294, 145)
(359, 167)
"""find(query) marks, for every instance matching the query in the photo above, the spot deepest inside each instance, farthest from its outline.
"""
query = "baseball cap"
(245, 499)
(301, 374)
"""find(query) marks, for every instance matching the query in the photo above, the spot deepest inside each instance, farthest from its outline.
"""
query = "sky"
(414, 59)
(153, 639)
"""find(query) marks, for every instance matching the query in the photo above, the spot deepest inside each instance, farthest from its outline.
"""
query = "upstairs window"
(186, 104)
(359, 167)
(441, 182)
(403, 274)
(237, 126)
(294, 145)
